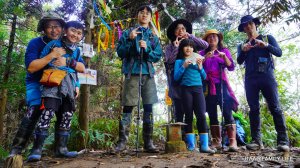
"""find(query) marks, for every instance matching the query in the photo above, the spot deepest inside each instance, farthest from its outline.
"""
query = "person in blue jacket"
(60, 100)
(256, 54)
(51, 25)
(189, 73)
(129, 48)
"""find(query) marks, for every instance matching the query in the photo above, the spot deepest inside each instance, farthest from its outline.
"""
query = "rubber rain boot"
(25, 130)
(204, 144)
(148, 133)
(231, 132)
(190, 141)
(61, 141)
(216, 139)
(36, 151)
(124, 129)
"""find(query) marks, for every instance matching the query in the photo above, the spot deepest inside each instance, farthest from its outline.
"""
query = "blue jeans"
(267, 84)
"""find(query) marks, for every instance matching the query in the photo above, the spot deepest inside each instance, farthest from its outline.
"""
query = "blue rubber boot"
(36, 151)
(61, 140)
(204, 144)
(190, 141)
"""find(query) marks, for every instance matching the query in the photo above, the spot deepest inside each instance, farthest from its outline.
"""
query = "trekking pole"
(139, 99)
(222, 106)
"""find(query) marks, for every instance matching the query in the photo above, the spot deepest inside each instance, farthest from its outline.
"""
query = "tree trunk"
(85, 89)
(3, 99)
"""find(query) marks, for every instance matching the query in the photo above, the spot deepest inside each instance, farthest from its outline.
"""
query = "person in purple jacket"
(177, 31)
(217, 58)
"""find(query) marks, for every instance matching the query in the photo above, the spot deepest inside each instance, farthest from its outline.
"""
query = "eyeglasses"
(55, 27)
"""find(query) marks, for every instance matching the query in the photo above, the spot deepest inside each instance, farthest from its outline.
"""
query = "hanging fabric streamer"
(106, 8)
(156, 18)
(113, 35)
(121, 24)
(167, 12)
(106, 40)
(92, 25)
(153, 20)
(99, 39)
(154, 28)
(99, 15)
(119, 27)
(157, 23)
(128, 22)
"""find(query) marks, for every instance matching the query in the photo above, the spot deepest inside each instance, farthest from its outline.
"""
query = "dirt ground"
(244, 158)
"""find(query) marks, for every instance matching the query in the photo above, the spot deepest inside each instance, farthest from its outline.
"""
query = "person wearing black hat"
(51, 25)
(177, 31)
(256, 53)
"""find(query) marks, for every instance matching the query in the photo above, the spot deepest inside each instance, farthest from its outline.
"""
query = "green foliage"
(293, 127)
(3, 153)
(273, 11)
(101, 133)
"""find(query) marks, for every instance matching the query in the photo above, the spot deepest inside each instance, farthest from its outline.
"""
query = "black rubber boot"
(25, 130)
(61, 149)
(124, 129)
(148, 133)
(36, 151)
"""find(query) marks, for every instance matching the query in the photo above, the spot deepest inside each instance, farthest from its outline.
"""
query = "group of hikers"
(196, 77)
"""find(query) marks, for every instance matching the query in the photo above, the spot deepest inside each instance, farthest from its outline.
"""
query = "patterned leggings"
(48, 113)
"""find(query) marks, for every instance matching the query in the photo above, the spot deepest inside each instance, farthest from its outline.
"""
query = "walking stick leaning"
(222, 106)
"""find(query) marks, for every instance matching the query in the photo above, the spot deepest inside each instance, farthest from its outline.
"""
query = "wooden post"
(85, 89)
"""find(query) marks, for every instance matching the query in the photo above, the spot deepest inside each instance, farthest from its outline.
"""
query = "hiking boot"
(283, 148)
(255, 146)
(124, 129)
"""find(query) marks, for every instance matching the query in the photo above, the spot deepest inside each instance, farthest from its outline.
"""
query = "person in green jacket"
(133, 42)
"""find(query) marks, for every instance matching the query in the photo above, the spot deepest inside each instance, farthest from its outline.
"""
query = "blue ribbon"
(99, 15)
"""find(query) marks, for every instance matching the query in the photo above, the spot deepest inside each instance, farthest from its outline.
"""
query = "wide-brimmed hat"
(213, 31)
(171, 29)
(245, 20)
(48, 16)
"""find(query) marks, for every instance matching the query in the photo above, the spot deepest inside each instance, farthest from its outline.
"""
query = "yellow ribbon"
(106, 40)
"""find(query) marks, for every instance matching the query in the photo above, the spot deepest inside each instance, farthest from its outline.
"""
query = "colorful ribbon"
(113, 36)
(99, 15)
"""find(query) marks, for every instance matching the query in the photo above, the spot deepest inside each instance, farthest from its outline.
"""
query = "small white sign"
(194, 57)
(89, 77)
(87, 50)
